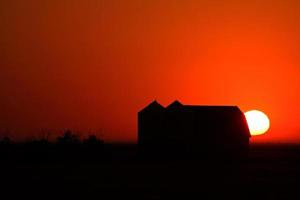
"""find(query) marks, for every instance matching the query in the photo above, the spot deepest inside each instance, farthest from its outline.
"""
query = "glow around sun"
(258, 122)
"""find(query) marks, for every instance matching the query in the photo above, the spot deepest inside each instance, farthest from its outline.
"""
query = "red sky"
(92, 65)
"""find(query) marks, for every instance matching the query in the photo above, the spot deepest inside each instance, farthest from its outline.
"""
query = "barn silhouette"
(192, 130)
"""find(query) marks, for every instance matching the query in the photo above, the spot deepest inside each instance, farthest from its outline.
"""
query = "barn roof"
(213, 108)
(153, 106)
(174, 105)
(209, 110)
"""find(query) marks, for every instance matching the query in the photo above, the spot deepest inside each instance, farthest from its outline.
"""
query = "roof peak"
(154, 105)
(174, 104)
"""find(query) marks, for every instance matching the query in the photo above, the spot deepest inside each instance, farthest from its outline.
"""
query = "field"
(269, 172)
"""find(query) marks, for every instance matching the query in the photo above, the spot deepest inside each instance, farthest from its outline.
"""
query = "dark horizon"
(92, 65)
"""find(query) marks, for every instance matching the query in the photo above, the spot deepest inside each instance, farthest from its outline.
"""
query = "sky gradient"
(91, 65)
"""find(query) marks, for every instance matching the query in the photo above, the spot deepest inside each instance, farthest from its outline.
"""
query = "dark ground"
(270, 172)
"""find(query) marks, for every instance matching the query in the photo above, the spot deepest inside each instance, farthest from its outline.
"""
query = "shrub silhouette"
(5, 141)
(68, 138)
(67, 147)
(92, 140)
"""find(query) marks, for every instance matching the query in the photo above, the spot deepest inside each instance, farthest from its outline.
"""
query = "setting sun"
(258, 122)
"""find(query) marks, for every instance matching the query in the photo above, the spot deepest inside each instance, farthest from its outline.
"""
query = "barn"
(192, 130)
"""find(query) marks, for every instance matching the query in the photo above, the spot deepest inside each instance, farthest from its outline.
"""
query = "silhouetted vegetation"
(68, 139)
(68, 147)
(5, 141)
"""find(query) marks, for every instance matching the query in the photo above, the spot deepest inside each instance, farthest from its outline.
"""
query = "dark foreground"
(270, 172)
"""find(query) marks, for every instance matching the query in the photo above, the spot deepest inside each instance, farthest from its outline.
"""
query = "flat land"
(270, 172)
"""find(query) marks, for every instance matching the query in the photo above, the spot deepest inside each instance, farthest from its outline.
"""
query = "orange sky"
(91, 65)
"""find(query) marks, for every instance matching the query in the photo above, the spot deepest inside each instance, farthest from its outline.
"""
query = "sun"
(258, 122)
